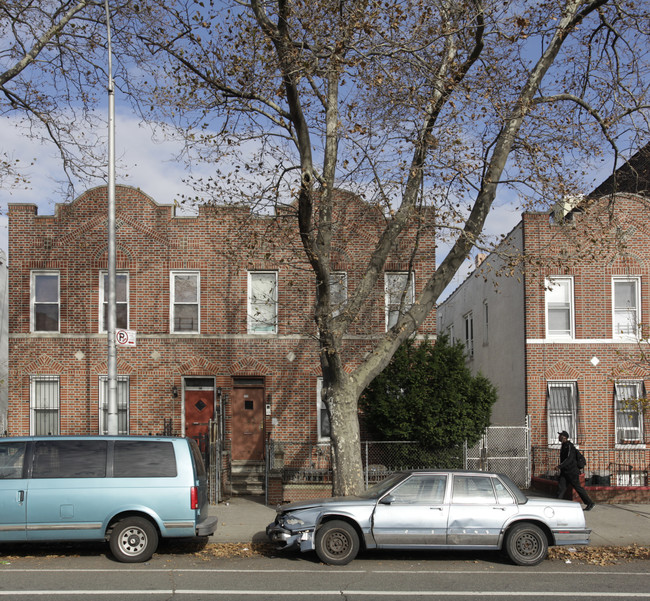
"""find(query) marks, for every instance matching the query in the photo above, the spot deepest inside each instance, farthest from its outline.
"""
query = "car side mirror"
(387, 500)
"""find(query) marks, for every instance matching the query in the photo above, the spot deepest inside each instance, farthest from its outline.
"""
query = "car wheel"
(133, 540)
(526, 544)
(337, 543)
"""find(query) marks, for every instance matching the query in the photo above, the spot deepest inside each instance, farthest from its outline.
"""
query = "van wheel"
(133, 540)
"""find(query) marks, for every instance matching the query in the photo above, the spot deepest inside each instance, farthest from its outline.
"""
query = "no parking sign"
(125, 337)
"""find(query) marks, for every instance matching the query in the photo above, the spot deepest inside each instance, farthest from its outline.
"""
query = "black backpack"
(580, 460)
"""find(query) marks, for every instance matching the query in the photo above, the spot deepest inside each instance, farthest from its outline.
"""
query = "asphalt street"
(179, 577)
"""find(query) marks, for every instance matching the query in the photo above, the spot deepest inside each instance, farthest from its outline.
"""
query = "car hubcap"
(527, 545)
(133, 541)
(337, 543)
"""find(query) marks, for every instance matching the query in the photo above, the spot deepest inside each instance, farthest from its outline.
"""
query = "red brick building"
(559, 320)
(221, 305)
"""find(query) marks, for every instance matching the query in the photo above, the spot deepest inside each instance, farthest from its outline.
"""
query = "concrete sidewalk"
(244, 520)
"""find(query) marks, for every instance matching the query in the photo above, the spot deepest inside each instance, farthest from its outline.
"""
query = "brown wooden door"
(248, 423)
(199, 410)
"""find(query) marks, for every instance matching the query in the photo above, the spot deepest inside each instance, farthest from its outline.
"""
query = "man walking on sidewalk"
(570, 472)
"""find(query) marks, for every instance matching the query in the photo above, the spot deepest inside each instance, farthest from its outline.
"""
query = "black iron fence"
(605, 467)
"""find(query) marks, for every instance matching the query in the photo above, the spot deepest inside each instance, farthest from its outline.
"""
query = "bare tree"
(52, 75)
(412, 103)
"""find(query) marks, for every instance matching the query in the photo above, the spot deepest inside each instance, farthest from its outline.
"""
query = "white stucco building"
(486, 313)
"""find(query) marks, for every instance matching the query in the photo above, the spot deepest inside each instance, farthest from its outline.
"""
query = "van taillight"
(194, 497)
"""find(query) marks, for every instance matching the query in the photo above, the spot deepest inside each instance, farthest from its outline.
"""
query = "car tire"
(337, 543)
(526, 544)
(133, 540)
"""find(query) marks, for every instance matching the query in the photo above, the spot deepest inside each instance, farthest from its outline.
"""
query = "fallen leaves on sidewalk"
(601, 556)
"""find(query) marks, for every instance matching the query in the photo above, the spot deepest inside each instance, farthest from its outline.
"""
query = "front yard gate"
(503, 449)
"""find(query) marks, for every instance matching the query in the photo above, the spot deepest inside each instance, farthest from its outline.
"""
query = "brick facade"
(561, 359)
(603, 242)
(606, 241)
(221, 244)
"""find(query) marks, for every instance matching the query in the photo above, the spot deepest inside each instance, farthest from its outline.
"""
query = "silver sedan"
(433, 509)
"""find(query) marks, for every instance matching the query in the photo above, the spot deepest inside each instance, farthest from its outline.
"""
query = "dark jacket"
(568, 461)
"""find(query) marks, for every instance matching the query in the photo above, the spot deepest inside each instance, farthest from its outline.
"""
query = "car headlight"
(292, 520)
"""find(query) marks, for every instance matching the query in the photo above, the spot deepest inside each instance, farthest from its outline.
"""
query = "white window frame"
(103, 300)
(33, 301)
(633, 330)
(450, 333)
(123, 405)
(255, 324)
(393, 306)
(52, 404)
(468, 320)
(562, 418)
(184, 303)
(567, 305)
(320, 409)
(624, 414)
(486, 323)
(338, 291)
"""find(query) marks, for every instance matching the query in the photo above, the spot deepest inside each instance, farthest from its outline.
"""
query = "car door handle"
(436, 508)
(20, 496)
(501, 508)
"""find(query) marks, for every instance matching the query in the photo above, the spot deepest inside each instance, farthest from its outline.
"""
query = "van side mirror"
(387, 500)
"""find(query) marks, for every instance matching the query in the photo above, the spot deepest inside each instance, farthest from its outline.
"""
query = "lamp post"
(111, 422)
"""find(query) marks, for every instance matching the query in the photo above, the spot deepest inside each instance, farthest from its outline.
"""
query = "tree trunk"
(346, 441)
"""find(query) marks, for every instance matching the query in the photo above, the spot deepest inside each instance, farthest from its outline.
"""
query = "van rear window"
(12, 458)
(69, 459)
(140, 459)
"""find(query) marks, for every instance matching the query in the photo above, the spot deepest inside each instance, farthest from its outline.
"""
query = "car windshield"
(377, 490)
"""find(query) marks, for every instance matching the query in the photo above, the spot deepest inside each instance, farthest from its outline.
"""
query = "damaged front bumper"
(286, 538)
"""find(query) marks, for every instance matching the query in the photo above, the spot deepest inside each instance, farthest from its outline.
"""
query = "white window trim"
(549, 284)
(341, 276)
(640, 391)
(32, 299)
(617, 335)
(408, 303)
(554, 428)
(468, 321)
(251, 321)
(320, 406)
(32, 401)
(102, 299)
(172, 301)
(103, 400)
(486, 323)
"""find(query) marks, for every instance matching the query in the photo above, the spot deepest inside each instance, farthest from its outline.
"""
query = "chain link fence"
(313, 462)
(506, 450)
(503, 449)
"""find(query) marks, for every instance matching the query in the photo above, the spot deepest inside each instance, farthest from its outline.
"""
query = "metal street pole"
(112, 347)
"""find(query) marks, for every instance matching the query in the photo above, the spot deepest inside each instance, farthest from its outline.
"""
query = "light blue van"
(128, 490)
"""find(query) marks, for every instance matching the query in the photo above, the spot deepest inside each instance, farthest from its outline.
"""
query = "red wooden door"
(248, 423)
(199, 410)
